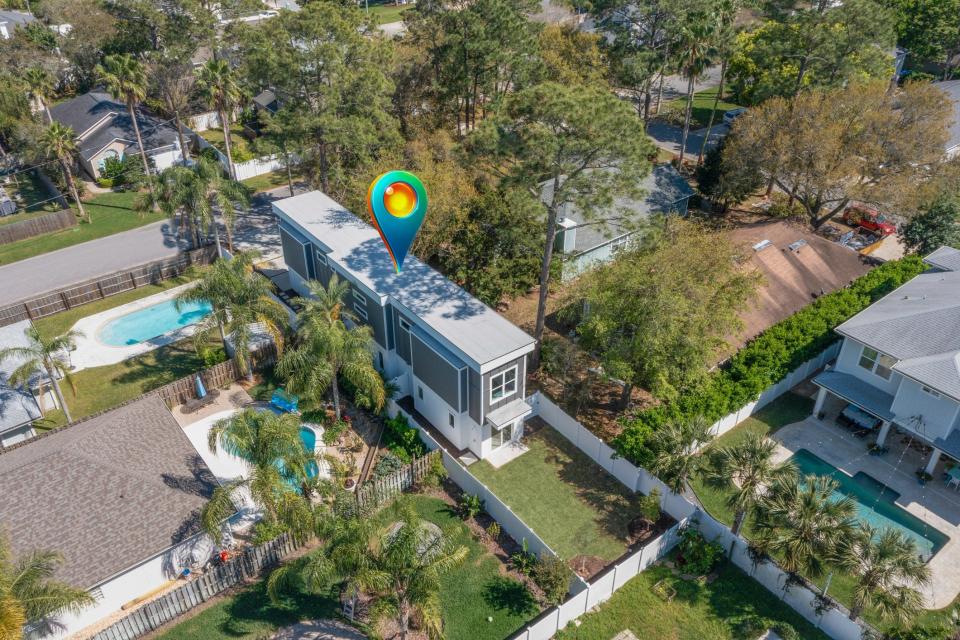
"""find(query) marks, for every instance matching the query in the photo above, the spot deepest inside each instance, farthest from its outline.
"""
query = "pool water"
(151, 322)
(874, 503)
(309, 438)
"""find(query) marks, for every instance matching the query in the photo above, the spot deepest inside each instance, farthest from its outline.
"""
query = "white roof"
(466, 324)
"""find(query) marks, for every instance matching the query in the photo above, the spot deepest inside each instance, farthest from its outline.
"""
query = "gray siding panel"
(403, 339)
(391, 322)
(438, 374)
(375, 313)
(464, 393)
(474, 395)
(294, 254)
(323, 273)
(521, 364)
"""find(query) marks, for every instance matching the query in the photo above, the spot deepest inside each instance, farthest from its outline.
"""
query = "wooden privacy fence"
(376, 492)
(76, 295)
(215, 377)
(55, 221)
(239, 569)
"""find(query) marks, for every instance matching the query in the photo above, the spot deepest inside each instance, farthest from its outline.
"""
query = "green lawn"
(28, 192)
(469, 595)
(58, 324)
(110, 213)
(239, 146)
(702, 106)
(697, 612)
(565, 497)
(387, 12)
(271, 180)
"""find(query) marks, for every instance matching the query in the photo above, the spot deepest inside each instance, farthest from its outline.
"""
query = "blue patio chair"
(284, 401)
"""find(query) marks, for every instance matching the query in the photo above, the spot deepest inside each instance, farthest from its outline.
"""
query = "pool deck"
(933, 503)
(90, 352)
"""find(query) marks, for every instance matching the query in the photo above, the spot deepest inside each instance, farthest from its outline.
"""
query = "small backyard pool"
(151, 322)
(874, 502)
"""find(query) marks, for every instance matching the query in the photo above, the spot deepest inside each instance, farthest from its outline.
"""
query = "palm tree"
(748, 468)
(271, 444)
(41, 88)
(218, 85)
(44, 357)
(28, 592)
(197, 193)
(697, 35)
(803, 524)
(400, 565)
(59, 141)
(886, 567)
(725, 14)
(240, 297)
(326, 348)
(173, 82)
(674, 445)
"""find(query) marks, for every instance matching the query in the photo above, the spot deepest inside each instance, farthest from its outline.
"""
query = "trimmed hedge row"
(768, 358)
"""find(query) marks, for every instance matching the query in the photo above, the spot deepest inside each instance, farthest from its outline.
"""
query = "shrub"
(751, 625)
(267, 530)
(106, 183)
(470, 506)
(332, 432)
(387, 464)
(766, 359)
(437, 473)
(523, 561)
(402, 439)
(493, 531)
(553, 576)
(698, 556)
(649, 506)
(785, 630)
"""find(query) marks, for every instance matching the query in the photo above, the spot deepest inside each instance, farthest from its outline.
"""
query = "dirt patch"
(587, 566)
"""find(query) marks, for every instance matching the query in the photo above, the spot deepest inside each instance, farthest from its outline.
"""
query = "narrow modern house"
(455, 361)
(900, 360)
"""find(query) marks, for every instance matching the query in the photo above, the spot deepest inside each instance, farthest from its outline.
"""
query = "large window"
(503, 384)
(879, 363)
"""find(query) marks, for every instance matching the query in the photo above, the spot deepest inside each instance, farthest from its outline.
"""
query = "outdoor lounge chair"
(284, 401)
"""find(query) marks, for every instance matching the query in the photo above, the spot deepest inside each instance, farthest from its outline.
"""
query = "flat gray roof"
(952, 89)
(108, 493)
(17, 406)
(470, 327)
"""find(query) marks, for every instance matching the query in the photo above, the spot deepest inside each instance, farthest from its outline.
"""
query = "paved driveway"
(257, 229)
(88, 260)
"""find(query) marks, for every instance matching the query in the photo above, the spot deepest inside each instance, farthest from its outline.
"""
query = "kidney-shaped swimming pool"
(151, 322)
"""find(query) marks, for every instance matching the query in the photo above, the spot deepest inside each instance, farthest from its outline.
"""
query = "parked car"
(869, 219)
(733, 114)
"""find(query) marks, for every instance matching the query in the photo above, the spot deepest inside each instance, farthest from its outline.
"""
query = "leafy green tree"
(29, 592)
(934, 227)
(496, 251)
(328, 70)
(814, 44)
(60, 142)
(747, 468)
(724, 38)
(126, 80)
(828, 147)
(722, 184)
(661, 312)
(803, 524)
(583, 141)
(46, 358)
(571, 56)
(279, 464)
(325, 349)
(217, 85)
(887, 569)
(41, 88)
(240, 298)
(675, 457)
(927, 29)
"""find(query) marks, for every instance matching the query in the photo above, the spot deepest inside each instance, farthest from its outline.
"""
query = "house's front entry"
(506, 432)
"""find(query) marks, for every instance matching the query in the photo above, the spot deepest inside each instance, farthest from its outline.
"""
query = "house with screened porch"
(899, 365)
(458, 365)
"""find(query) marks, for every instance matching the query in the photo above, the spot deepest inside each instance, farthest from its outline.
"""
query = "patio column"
(932, 463)
(818, 405)
(884, 430)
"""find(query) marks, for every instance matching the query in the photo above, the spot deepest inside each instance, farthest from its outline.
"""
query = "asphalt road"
(70, 265)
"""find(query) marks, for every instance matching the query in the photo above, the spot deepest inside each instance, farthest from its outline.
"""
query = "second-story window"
(503, 384)
(879, 363)
(360, 305)
(932, 392)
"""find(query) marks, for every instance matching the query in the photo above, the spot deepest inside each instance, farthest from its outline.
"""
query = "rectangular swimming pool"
(874, 502)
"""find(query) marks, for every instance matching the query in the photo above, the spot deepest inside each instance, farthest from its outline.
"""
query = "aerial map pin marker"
(397, 202)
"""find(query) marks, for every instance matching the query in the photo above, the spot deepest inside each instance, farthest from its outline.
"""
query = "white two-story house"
(900, 359)
(456, 361)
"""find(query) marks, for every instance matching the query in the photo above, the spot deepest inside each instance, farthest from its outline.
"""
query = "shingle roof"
(84, 112)
(478, 332)
(663, 188)
(17, 407)
(919, 325)
(945, 258)
(952, 89)
(108, 492)
(16, 18)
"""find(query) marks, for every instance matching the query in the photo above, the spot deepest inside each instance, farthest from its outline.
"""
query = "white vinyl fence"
(250, 168)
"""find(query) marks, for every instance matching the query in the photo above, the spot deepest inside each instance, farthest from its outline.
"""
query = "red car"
(869, 219)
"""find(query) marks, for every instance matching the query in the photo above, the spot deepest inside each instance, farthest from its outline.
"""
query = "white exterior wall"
(847, 363)
(437, 411)
(939, 414)
(167, 159)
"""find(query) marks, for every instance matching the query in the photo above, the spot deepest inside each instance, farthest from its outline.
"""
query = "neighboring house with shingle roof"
(18, 406)
(584, 243)
(118, 495)
(952, 89)
(900, 358)
(104, 129)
